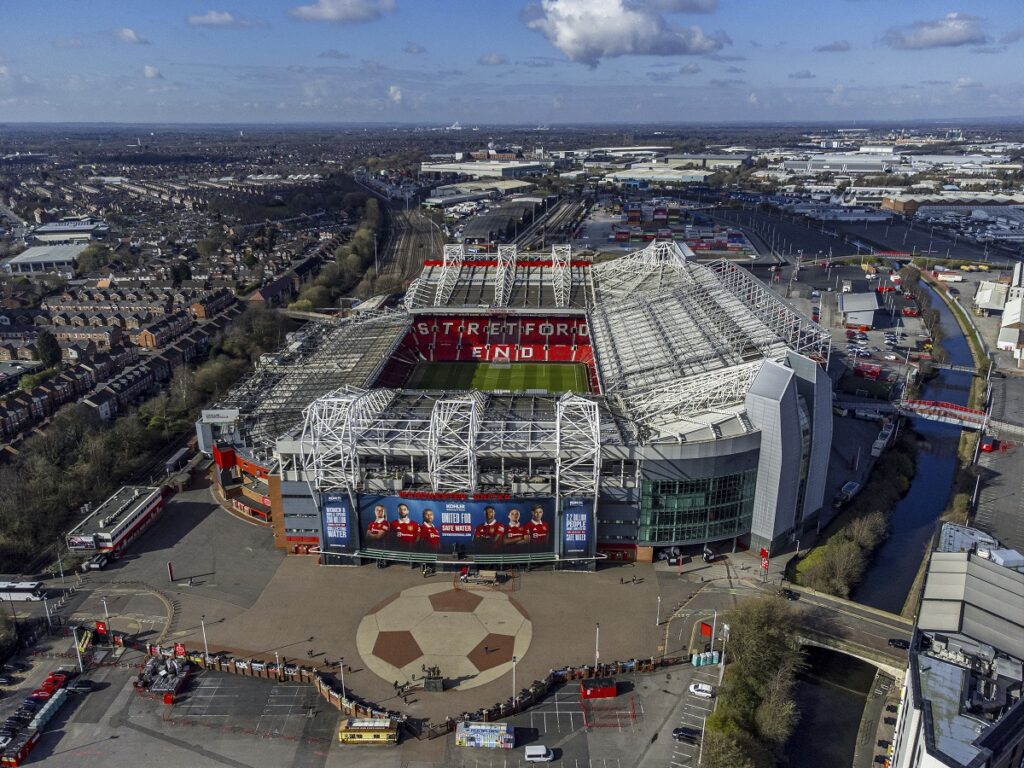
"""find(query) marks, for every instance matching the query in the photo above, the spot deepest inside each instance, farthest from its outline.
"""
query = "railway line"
(554, 227)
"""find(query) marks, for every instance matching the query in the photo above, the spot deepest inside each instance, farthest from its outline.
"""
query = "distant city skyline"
(510, 61)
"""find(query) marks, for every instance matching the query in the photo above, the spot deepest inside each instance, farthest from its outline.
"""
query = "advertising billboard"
(577, 526)
(335, 508)
(469, 526)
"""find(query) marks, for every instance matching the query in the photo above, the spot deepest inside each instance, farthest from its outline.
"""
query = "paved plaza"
(471, 635)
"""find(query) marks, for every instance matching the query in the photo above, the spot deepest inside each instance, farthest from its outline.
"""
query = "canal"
(832, 691)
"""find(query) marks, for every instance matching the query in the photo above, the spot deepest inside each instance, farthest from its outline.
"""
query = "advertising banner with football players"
(335, 508)
(577, 526)
(468, 526)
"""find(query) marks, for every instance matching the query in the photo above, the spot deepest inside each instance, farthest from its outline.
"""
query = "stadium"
(537, 408)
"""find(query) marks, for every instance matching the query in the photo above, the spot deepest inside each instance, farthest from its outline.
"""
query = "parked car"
(5, 680)
(789, 594)
(896, 642)
(81, 686)
(686, 735)
(989, 444)
(702, 690)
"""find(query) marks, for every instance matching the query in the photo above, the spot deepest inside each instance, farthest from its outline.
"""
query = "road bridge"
(894, 664)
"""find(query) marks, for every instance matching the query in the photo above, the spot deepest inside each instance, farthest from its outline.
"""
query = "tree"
(180, 272)
(48, 349)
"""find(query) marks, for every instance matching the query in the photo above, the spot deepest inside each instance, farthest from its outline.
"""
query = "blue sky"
(509, 61)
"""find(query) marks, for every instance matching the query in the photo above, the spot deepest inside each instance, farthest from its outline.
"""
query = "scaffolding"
(450, 269)
(505, 276)
(578, 452)
(561, 273)
(451, 443)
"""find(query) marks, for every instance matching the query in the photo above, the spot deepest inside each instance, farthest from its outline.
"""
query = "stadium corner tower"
(529, 409)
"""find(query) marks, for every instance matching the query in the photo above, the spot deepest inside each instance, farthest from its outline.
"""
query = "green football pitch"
(513, 377)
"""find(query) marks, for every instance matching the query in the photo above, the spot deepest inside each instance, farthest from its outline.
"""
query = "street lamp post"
(60, 564)
(657, 619)
(597, 644)
(341, 665)
(514, 660)
(206, 646)
(106, 614)
(714, 628)
(798, 547)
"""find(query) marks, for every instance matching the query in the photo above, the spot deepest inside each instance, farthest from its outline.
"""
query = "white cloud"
(394, 94)
(493, 59)
(217, 19)
(690, 68)
(951, 30)
(128, 35)
(1013, 36)
(4, 72)
(343, 11)
(753, 100)
(151, 73)
(414, 48)
(587, 31)
(965, 83)
(803, 74)
(334, 53)
(838, 46)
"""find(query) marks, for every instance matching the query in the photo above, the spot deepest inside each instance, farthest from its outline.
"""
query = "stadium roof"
(553, 282)
(677, 344)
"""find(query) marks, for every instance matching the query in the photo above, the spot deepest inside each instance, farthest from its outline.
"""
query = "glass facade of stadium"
(698, 510)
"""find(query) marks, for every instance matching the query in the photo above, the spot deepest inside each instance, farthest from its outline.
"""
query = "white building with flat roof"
(42, 259)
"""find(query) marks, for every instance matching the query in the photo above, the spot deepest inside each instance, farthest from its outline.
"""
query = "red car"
(989, 444)
(851, 334)
(42, 694)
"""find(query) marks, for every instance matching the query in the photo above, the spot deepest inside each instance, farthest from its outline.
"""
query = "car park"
(701, 690)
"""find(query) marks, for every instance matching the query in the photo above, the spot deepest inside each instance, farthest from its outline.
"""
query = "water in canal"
(894, 566)
(832, 691)
(830, 695)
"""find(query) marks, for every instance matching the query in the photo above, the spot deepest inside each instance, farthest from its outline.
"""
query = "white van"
(538, 754)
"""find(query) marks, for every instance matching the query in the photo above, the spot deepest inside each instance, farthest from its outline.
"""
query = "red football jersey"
(430, 535)
(378, 527)
(492, 530)
(516, 533)
(406, 531)
(537, 530)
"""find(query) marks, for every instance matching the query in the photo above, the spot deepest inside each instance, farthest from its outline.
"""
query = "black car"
(895, 642)
(5, 680)
(686, 735)
(14, 666)
(81, 686)
(789, 594)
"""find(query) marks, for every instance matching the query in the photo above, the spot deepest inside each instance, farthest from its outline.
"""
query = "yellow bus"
(368, 731)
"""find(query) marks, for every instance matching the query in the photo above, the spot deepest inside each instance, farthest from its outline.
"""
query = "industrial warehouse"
(535, 408)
